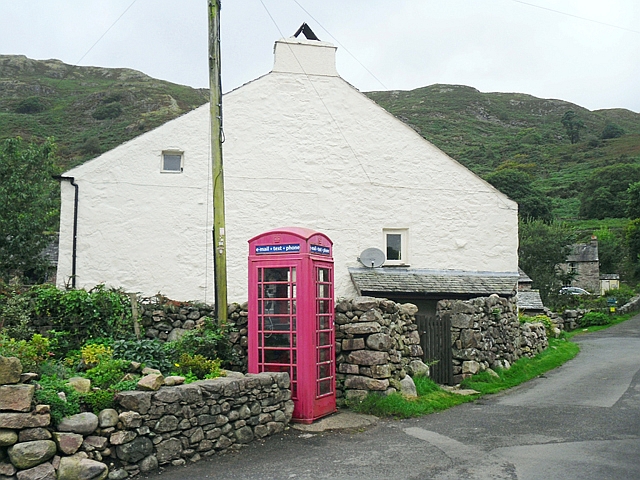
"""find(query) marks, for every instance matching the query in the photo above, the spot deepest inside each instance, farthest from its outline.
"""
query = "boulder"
(367, 357)
(95, 442)
(407, 387)
(10, 370)
(24, 420)
(362, 328)
(79, 384)
(151, 382)
(174, 380)
(364, 303)
(408, 309)
(358, 382)
(68, 443)
(83, 423)
(137, 401)
(29, 454)
(44, 471)
(17, 398)
(380, 341)
(169, 450)
(137, 449)
(122, 436)
(7, 437)
(372, 315)
(130, 419)
(150, 371)
(108, 418)
(471, 367)
(418, 368)
(30, 434)
(78, 468)
(7, 470)
(148, 464)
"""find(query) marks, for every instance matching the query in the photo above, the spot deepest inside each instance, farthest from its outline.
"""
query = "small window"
(395, 242)
(172, 162)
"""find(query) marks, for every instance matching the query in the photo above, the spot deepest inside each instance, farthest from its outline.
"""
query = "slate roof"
(583, 252)
(524, 278)
(403, 280)
(529, 300)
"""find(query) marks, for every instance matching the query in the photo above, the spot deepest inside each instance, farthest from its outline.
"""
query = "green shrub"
(208, 340)
(48, 395)
(109, 110)
(107, 372)
(78, 315)
(98, 400)
(15, 320)
(199, 366)
(546, 321)
(124, 385)
(32, 353)
(31, 105)
(151, 353)
(622, 294)
(594, 318)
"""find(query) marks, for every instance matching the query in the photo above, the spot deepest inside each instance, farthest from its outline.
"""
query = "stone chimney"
(310, 57)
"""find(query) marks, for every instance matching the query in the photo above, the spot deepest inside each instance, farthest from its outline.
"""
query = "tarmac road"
(580, 421)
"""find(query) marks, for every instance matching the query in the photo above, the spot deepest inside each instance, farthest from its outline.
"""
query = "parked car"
(573, 291)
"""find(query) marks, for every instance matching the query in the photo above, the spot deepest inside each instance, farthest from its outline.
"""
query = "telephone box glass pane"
(324, 355)
(324, 322)
(278, 274)
(323, 274)
(324, 370)
(277, 306)
(324, 338)
(277, 340)
(277, 356)
(323, 306)
(324, 387)
(274, 323)
(323, 290)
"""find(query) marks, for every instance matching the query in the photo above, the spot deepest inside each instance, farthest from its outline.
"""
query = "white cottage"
(303, 148)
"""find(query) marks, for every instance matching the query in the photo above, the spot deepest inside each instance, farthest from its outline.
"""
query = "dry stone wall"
(168, 320)
(486, 333)
(171, 425)
(377, 345)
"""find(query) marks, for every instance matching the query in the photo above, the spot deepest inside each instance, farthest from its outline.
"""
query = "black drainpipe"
(75, 227)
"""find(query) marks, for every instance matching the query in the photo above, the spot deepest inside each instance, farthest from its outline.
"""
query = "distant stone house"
(528, 300)
(584, 264)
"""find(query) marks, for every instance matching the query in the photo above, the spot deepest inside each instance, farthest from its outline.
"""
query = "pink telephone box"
(291, 316)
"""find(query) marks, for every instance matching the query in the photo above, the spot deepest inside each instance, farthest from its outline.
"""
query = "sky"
(583, 51)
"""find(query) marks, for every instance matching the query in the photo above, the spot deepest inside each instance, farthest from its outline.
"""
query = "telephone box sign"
(319, 249)
(266, 249)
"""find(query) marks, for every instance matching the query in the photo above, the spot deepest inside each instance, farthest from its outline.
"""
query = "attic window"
(172, 162)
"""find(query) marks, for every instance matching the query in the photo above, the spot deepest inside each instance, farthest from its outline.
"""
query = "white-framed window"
(172, 161)
(396, 245)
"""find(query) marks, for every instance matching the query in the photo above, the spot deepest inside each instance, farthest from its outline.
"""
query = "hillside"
(88, 110)
(487, 131)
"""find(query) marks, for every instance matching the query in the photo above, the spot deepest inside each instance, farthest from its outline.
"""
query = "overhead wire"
(573, 16)
(341, 45)
(355, 155)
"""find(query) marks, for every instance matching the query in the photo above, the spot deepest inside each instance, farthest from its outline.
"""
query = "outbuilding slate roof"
(530, 300)
(403, 280)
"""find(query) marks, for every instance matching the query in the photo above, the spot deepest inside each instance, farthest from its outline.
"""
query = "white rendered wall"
(301, 150)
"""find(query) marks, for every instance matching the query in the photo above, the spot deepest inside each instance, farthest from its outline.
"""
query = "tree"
(611, 130)
(572, 125)
(605, 193)
(543, 246)
(633, 200)
(518, 185)
(28, 195)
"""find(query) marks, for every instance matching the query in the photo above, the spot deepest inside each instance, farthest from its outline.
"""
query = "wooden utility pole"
(219, 239)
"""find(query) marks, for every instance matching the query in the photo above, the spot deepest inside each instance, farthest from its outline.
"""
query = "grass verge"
(431, 398)
(615, 320)
(560, 350)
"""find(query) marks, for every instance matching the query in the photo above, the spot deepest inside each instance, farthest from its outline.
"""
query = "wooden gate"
(435, 339)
